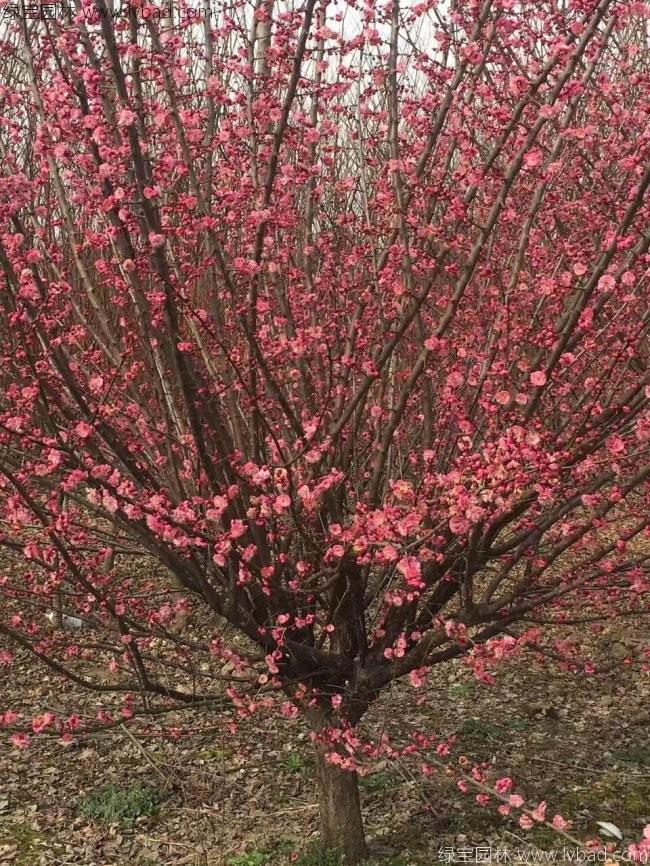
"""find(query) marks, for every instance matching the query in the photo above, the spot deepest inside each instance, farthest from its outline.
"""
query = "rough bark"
(340, 808)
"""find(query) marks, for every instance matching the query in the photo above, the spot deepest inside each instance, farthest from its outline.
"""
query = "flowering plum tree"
(338, 313)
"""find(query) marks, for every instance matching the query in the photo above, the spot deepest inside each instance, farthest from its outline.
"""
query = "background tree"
(338, 314)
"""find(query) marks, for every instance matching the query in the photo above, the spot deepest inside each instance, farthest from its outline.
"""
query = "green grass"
(633, 755)
(379, 782)
(612, 797)
(487, 732)
(115, 805)
(461, 690)
(478, 729)
(250, 858)
(277, 853)
(219, 755)
(317, 855)
(294, 762)
(280, 854)
(28, 844)
(517, 724)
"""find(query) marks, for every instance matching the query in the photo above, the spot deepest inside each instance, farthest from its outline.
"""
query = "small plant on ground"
(635, 754)
(317, 855)
(277, 853)
(249, 858)
(517, 724)
(113, 804)
(294, 762)
(461, 690)
(377, 783)
(479, 729)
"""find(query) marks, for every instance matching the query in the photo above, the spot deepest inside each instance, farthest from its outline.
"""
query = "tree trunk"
(340, 809)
